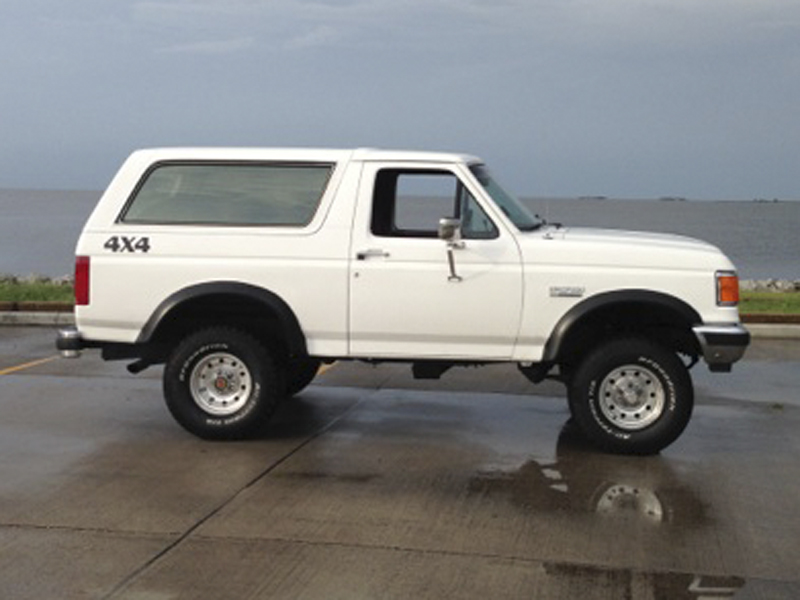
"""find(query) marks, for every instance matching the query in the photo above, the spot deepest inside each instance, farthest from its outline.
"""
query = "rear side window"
(229, 194)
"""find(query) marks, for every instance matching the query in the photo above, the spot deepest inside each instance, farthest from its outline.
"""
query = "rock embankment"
(749, 285)
(6, 278)
(770, 285)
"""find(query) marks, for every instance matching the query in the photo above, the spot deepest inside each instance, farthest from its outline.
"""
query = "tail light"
(727, 288)
(81, 280)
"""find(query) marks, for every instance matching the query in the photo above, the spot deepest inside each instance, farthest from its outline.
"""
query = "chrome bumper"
(69, 342)
(722, 345)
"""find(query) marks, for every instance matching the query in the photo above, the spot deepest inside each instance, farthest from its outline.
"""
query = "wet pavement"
(373, 485)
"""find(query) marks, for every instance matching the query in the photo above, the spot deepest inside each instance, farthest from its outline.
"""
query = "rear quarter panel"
(306, 266)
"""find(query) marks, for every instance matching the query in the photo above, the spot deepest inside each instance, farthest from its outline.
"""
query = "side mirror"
(450, 232)
(450, 229)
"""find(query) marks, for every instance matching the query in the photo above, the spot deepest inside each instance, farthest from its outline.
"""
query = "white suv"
(243, 269)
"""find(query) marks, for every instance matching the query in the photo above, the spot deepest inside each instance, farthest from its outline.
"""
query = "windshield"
(513, 208)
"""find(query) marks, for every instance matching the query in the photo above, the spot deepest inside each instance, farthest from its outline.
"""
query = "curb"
(36, 319)
(772, 331)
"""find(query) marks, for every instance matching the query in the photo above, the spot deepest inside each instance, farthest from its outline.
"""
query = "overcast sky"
(625, 98)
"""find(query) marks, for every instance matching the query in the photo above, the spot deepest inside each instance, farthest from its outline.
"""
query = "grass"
(35, 292)
(774, 303)
(782, 303)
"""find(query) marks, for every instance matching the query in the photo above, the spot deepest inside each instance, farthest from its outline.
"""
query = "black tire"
(221, 384)
(300, 373)
(631, 396)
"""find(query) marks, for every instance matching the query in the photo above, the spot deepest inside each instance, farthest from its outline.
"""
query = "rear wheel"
(631, 396)
(221, 383)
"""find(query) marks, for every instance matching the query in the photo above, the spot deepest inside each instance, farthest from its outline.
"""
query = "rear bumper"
(722, 345)
(69, 342)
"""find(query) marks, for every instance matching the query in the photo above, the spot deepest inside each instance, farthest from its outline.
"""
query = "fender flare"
(290, 326)
(604, 300)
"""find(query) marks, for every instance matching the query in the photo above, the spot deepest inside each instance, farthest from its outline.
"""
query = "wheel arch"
(226, 302)
(656, 315)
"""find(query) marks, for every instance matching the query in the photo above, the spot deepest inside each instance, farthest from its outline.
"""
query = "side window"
(410, 204)
(229, 194)
(475, 223)
(421, 199)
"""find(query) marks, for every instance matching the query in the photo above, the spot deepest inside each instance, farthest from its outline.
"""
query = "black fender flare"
(584, 308)
(290, 326)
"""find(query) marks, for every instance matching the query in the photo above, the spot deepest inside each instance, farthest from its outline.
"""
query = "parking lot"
(372, 485)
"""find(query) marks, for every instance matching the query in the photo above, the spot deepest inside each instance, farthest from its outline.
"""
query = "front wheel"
(631, 396)
(221, 383)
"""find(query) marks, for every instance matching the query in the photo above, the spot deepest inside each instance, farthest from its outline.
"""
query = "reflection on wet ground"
(628, 491)
(582, 481)
(368, 486)
(666, 586)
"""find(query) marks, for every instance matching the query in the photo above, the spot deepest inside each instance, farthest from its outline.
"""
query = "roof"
(300, 154)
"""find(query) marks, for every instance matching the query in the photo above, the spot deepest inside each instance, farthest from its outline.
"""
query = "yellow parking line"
(41, 361)
(28, 365)
(326, 367)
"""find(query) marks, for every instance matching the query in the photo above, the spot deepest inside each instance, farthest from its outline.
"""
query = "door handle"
(371, 253)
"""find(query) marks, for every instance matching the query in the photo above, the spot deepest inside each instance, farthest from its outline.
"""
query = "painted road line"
(42, 361)
(325, 367)
(28, 365)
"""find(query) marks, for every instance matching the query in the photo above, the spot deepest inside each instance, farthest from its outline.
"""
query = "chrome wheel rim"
(221, 384)
(632, 397)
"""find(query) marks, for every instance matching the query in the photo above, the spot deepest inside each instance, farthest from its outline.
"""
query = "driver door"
(404, 299)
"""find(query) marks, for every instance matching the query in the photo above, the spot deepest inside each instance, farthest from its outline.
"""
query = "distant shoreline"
(533, 197)
(759, 238)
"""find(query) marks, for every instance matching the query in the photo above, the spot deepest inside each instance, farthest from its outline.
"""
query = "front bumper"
(722, 345)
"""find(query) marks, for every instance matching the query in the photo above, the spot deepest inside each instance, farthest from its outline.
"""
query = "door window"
(408, 203)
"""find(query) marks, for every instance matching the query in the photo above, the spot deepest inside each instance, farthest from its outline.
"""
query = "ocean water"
(761, 238)
(38, 229)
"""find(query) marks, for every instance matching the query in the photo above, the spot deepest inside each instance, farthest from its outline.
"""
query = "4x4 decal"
(121, 243)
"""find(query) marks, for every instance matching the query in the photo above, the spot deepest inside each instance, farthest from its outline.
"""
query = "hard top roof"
(301, 154)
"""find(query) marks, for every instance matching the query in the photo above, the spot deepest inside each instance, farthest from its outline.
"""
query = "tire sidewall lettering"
(241, 414)
(593, 401)
(189, 363)
(186, 370)
(586, 388)
(253, 410)
(594, 398)
(665, 379)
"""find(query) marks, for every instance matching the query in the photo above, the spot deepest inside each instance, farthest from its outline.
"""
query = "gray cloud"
(620, 97)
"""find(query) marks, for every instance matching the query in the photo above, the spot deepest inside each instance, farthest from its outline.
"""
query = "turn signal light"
(727, 288)
(81, 280)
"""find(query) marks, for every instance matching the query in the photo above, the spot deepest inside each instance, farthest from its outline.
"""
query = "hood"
(608, 247)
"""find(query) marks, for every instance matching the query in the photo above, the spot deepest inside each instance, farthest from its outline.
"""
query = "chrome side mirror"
(450, 232)
(450, 229)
